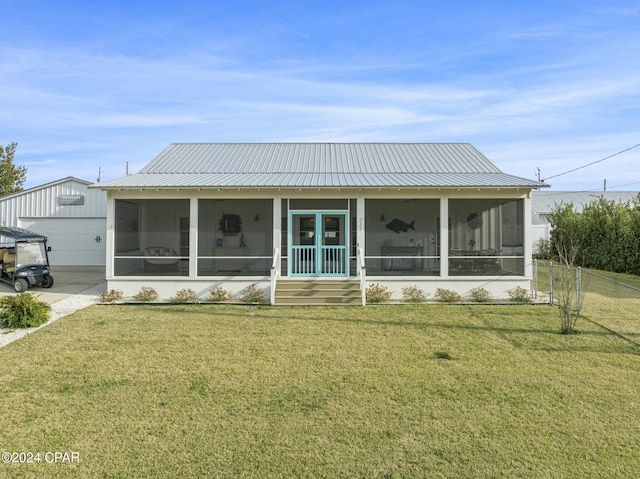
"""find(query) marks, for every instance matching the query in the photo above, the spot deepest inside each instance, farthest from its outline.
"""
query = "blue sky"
(542, 84)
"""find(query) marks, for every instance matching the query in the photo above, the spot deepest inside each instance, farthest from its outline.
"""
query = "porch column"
(277, 230)
(528, 247)
(444, 237)
(110, 233)
(193, 237)
(360, 226)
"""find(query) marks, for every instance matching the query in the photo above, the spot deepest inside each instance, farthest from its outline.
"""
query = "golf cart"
(23, 259)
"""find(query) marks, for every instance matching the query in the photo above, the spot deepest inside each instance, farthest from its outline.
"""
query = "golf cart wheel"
(47, 281)
(20, 285)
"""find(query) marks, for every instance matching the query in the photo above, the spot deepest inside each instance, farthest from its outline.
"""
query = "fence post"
(550, 282)
(535, 279)
(578, 289)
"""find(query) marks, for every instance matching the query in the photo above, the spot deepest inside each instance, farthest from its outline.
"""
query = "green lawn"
(233, 391)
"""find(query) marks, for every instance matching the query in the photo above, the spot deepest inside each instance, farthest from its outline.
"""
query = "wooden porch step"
(318, 292)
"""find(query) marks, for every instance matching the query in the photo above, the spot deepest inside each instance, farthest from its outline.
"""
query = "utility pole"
(605, 184)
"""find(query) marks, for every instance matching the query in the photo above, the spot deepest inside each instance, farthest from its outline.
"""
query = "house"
(543, 203)
(298, 218)
(68, 213)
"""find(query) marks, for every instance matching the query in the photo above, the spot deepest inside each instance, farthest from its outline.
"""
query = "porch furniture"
(474, 261)
(154, 260)
(402, 258)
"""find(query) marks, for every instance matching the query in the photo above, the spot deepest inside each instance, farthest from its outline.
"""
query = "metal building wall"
(44, 202)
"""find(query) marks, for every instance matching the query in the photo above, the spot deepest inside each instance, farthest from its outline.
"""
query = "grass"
(605, 301)
(434, 391)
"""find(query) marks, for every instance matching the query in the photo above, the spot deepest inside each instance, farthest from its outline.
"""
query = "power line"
(593, 162)
(626, 184)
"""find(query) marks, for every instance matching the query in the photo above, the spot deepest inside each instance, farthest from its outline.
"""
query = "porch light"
(382, 218)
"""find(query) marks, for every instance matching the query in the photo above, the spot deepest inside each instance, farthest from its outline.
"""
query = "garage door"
(73, 241)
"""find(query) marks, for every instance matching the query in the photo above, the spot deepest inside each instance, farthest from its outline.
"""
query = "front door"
(318, 243)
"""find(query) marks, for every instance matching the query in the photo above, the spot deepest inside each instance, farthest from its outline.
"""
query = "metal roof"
(543, 202)
(198, 165)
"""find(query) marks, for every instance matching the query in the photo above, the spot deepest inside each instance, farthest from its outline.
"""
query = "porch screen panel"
(401, 237)
(486, 237)
(235, 237)
(151, 237)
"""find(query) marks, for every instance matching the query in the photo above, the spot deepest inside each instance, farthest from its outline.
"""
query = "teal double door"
(318, 243)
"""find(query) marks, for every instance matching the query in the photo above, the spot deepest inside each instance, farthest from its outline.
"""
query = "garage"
(73, 241)
(70, 214)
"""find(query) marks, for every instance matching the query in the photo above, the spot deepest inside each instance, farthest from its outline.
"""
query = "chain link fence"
(612, 304)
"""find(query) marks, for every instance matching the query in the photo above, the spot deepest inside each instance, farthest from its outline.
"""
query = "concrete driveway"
(68, 281)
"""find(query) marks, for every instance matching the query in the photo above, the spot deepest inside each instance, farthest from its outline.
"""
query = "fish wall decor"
(397, 226)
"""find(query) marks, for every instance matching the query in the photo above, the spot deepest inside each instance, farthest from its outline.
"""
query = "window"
(235, 237)
(486, 237)
(402, 237)
(150, 237)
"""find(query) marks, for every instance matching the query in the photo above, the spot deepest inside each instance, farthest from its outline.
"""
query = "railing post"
(363, 275)
(550, 282)
(275, 266)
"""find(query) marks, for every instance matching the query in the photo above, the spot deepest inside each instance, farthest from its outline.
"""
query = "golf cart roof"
(10, 234)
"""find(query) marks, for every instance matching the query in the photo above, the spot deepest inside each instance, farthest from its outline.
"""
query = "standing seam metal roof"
(320, 165)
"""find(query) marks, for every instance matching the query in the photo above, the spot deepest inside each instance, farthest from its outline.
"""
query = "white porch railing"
(274, 274)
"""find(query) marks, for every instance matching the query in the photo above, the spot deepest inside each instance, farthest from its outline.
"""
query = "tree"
(567, 241)
(12, 177)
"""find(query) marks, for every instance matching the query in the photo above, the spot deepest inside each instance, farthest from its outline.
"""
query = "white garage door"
(72, 240)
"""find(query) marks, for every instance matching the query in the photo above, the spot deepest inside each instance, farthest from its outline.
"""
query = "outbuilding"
(68, 213)
(319, 222)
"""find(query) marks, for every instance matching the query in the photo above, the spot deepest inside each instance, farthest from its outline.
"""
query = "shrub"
(111, 296)
(447, 295)
(519, 295)
(218, 294)
(146, 295)
(480, 295)
(413, 294)
(24, 310)
(376, 293)
(252, 294)
(185, 296)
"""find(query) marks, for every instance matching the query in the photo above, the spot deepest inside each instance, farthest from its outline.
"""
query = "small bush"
(24, 310)
(480, 295)
(447, 296)
(185, 296)
(252, 294)
(218, 294)
(413, 294)
(376, 293)
(146, 295)
(111, 296)
(519, 295)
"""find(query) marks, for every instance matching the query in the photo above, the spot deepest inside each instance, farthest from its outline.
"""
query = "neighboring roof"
(46, 185)
(226, 165)
(544, 202)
